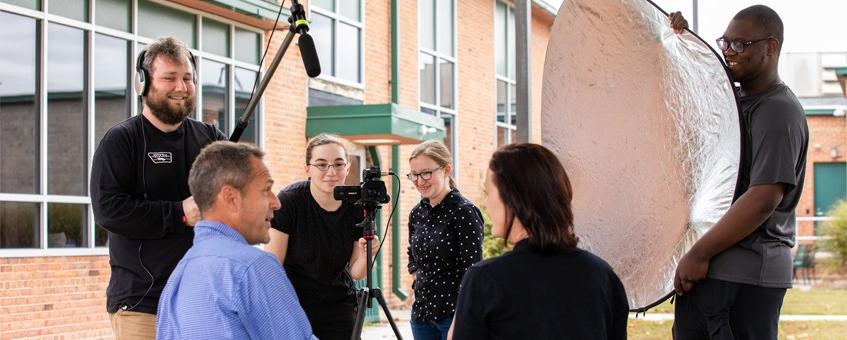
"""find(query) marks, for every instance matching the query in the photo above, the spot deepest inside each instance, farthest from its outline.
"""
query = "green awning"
(374, 124)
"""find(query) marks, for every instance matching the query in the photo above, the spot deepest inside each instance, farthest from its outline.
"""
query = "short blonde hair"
(323, 139)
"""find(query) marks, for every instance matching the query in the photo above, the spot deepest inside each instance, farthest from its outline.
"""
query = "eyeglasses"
(326, 166)
(736, 45)
(424, 175)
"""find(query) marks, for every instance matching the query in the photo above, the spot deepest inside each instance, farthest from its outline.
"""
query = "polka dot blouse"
(443, 242)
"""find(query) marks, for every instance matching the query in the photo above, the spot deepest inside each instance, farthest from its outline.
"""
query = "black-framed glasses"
(424, 175)
(326, 166)
(736, 45)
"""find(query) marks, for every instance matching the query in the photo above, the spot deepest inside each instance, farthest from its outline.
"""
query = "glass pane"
(247, 46)
(428, 111)
(215, 37)
(445, 83)
(513, 105)
(67, 225)
(448, 135)
(349, 9)
(501, 101)
(510, 45)
(244, 82)
(66, 126)
(501, 136)
(113, 14)
(111, 95)
(215, 79)
(426, 69)
(19, 119)
(19, 225)
(445, 26)
(321, 30)
(500, 34)
(348, 47)
(426, 24)
(74, 9)
(155, 20)
(328, 5)
(101, 236)
(31, 4)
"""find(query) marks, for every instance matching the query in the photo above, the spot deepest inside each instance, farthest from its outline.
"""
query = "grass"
(798, 301)
(788, 330)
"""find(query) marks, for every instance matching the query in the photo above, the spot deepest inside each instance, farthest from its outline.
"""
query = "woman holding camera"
(546, 287)
(316, 239)
(445, 238)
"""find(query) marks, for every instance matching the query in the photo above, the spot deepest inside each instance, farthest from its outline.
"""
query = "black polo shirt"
(525, 294)
(443, 242)
(319, 244)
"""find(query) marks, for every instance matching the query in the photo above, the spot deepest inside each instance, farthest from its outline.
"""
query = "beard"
(168, 113)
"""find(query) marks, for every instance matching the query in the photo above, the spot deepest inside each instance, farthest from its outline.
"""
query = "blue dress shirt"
(226, 289)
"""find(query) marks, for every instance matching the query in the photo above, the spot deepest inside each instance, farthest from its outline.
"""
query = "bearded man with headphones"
(139, 186)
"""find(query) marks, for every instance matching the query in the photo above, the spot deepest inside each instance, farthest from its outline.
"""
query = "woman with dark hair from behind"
(546, 287)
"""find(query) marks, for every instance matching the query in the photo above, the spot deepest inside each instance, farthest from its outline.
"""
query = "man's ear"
(773, 47)
(230, 197)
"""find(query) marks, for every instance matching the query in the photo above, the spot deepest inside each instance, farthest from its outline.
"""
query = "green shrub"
(836, 232)
(491, 246)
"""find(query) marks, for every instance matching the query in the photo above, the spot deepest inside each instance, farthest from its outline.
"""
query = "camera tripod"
(365, 294)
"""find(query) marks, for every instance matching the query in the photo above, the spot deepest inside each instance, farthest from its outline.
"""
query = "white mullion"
(28, 198)
(67, 21)
(260, 107)
(91, 86)
(247, 66)
(21, 11)
(42, 159)
(198, 62)
(134, 108)
(113, 33)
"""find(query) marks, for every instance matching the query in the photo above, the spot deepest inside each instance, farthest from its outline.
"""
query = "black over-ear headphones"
(142, 75)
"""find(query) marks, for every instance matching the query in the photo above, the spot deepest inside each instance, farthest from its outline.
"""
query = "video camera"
(369, 194)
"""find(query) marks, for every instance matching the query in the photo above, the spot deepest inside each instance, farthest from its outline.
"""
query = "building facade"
(394, 72)
(435, 68)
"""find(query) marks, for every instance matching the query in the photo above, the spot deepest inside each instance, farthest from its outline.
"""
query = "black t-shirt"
(139, 177)
(774, 141)
(443, 242)
(528, 295)
(319, 244)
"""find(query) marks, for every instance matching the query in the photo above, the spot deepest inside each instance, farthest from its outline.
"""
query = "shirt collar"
(214, 229)
(453, 197)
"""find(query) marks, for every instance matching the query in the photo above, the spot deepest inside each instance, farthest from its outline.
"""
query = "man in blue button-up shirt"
(224, 288)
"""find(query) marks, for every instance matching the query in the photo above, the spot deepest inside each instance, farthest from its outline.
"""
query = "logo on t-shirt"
(160, 157)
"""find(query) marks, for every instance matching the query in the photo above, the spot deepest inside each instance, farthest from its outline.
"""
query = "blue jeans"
(429, 330)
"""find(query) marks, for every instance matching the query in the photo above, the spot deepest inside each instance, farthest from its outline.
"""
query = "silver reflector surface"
(645, 122)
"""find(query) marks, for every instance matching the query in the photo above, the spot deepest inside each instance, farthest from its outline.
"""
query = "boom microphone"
(309, 55)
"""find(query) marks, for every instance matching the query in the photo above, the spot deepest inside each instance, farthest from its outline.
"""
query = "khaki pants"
(129, 325)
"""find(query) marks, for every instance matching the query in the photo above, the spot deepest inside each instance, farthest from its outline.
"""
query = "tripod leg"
(377, 293)
(362, 303)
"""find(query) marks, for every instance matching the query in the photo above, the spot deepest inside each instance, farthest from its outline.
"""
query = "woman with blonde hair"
(445, 238)
(316, 239)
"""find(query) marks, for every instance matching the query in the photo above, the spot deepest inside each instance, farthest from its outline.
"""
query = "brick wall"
(61, 296)
(824, 133)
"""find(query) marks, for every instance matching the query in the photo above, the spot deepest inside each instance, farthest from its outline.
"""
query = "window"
(504, 56)
(336, 26)
(437, 63)
(64, 83)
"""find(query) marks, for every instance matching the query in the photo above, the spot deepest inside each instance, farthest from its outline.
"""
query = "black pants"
(716, 309)
(330, 320)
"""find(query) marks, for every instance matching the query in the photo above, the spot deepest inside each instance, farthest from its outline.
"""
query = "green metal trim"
(395, 45)
(372, 119)
(820, 112)
(841, 71)
(395, 229)
(373, 312)
(261, 9)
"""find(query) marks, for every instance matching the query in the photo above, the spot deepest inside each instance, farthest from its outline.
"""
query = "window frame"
(511, 127)
(336, 18)
(90, 31)
(440, 111)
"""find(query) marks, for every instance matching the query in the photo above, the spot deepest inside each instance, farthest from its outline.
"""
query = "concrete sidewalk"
(383, 330)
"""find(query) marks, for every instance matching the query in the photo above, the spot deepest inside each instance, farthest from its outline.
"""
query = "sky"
(810, 25)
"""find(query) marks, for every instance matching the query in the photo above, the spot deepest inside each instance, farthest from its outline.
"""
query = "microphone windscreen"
(310, 55)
